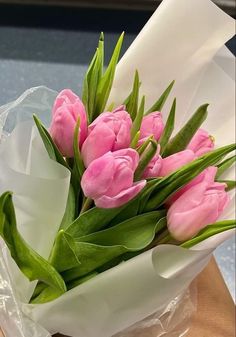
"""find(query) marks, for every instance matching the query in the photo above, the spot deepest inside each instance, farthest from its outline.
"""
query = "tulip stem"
(86, 205)
(165, 239)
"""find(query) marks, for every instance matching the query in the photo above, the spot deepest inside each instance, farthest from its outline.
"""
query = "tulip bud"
(108, 132)
(198, 207)
(153, 168)
(207, 176)
(201, 143)
(109, 179)
(152, 124)
(66, 110)
(176, 161)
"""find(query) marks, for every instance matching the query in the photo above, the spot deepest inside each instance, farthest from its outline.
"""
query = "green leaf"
(225, 165)
(86, 85)
(78, 162)
(141, 149)
(145, 159)
(92, 220)
(126, 101)
(160, 190)
(111, 107)
(69, 214)
(231, 184)
(98, 248)
(64, 255)
(46, 295)
(49, 144)
(134, 142)
(32, 265)
(105, 83)
(132, 104)
(169, 128)
(209, 231)
(92, 79)
(161, 101)
(184, 136)
(81, 280)
(138, 119)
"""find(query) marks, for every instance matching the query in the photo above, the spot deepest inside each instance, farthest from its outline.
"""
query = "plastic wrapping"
(12, 320)
(172, 321)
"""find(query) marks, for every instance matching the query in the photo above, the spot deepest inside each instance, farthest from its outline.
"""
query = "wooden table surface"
(215, 316)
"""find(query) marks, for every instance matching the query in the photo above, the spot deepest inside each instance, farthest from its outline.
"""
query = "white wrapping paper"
(180, 42)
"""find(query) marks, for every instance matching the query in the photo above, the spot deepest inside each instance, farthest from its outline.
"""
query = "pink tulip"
(66, 110)
(201, 143)
(198, 207)
(154, 166)
(152, 124)
(207, 176)
(109, 132)
(176, 161)
(108, 180)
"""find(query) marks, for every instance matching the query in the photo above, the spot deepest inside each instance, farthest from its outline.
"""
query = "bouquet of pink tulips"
(109, 211)
(133, 185)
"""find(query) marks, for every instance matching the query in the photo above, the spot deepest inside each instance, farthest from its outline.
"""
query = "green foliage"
(49, 144)
(31, 264)
(70, 210)
(100, 247)
(145, 159)
(184, 136)
(225, 165)
(106, 80)
(92, 78)
(132, 102)
(78, 162)
(161, 189)
(138, 119)
(209, 231)
(169, 128)
(158, 105)
(231, 184)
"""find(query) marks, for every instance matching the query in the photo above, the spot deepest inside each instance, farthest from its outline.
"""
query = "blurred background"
(50, 42)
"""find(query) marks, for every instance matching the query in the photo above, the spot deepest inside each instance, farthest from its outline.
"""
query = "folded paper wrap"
(183, 41)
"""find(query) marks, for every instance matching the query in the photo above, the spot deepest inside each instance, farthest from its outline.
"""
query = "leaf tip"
(101, 38)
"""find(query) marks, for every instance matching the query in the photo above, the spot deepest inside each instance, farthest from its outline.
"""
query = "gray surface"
(75, 48)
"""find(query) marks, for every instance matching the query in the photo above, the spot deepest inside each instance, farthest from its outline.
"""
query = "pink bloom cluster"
(111, 163)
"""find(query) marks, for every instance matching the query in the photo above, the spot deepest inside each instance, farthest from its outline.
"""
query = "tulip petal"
(62, 131)
(131, 153)
(99, 141)
(98, 177)
(201, 143)
(122, 179)
(201, 205)
(152, 124)
(176, 161)
(207, 176)
(122, 198)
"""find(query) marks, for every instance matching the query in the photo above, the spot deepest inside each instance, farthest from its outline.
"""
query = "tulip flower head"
(152, 124)
(201, 143)
(154, 166)
(207, 176)
(199, 206)
(109, 132)
(109, 179)
(66, 110)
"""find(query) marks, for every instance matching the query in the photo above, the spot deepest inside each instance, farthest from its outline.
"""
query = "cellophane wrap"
(184, 40)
